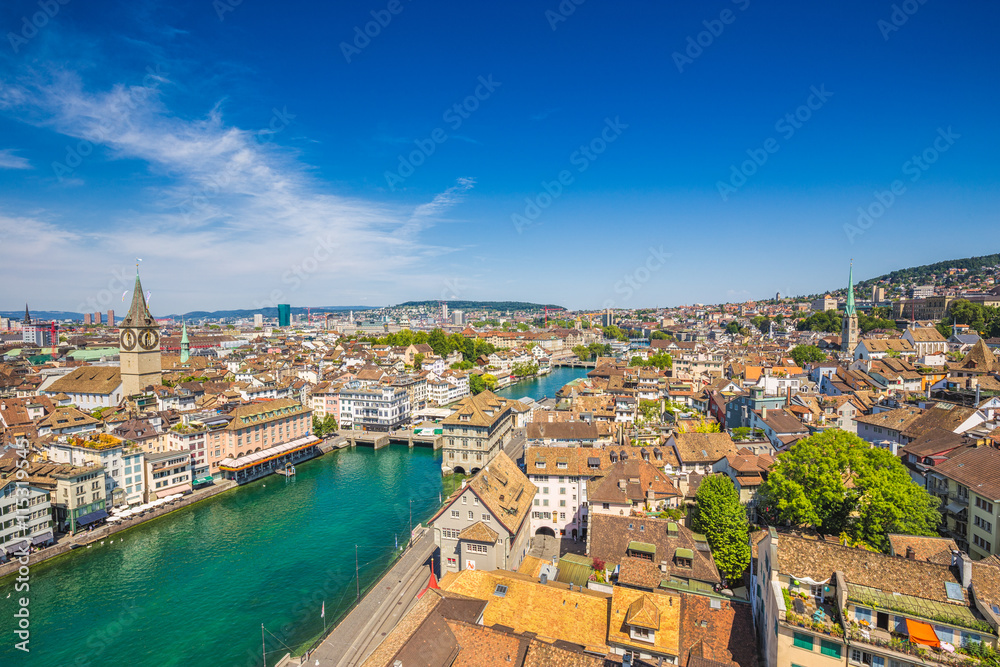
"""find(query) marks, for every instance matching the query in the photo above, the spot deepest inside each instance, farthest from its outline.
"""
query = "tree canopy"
(836, 482)
(722, 519)
(804, 354)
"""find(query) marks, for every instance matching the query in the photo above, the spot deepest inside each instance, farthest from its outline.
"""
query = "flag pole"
(357, 572)
(263, 646)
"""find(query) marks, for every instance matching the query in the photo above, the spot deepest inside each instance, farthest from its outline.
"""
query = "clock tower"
(139, 343)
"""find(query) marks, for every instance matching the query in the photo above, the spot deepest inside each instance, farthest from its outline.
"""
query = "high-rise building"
(284, 315)
(258, 319)
(139, 342)
(111, 318)
(97, 317)
(88, 319)
(444, 311)
(849, 328)
(456, 317)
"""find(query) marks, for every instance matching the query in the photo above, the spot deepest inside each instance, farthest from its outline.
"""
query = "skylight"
(501, 591)
(954, 591)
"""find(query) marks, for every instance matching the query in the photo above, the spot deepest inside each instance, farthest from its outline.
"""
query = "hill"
(483, 305)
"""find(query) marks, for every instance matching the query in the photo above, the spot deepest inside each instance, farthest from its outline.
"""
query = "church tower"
(139, 340)
(849, 327)
(185, 344)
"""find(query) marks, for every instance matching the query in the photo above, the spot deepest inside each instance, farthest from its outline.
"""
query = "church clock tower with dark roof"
(139, 343)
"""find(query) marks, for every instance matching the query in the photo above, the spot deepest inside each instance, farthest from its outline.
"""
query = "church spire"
(27, 317)
(849, 308)
(185, 345)
(138, 313)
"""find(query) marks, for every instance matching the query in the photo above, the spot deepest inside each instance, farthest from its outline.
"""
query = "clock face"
(128, 339)
(148, 339)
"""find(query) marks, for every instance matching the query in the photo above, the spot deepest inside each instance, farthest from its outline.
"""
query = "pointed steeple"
(185, 345)
(138, 313)
(849, 308)
(27, 317)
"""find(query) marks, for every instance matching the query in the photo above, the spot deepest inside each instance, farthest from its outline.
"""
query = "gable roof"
(977, 468)
(505, 491)
(703, 447)
(88, 380)
(482, 409)
(632, 480)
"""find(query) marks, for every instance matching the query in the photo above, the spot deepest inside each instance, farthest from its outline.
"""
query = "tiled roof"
(977, 468)
(479, 532)
(577, 459)
(610, 537)
(724, 635)
(505, 491)
(703, 447)
(942, 415)
(934, 441)
(894, 420)
(643, 613)
(549, 610)
(630, 481)
(934, 549)
(818, 559)
(666, 638)
(88, 380)
(483, 409)
(568, 430)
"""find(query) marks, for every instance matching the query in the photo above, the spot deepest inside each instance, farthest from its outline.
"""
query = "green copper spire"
(185, 345)
(849, 309)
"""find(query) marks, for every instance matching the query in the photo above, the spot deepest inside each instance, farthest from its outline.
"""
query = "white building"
(25, 516)
(561, 475)
(122, 461)
(377, 408)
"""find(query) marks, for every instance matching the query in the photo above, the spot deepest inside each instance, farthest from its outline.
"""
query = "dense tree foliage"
(827, 321)
(323, 427)
(733, 328)
(722, 519)
(836, 482)
(480, 383)
(984, 320)
(805, 354)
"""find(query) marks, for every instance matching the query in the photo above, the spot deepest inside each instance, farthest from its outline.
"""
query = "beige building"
(167, 473)
(484, 525)
(76, 493)
(477, 431)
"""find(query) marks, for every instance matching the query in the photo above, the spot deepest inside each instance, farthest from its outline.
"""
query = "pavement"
(361, 631)
(546, 546)
(515, 447)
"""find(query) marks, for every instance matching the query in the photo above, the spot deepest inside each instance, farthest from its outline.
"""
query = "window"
(984, 524)
(500, 591)
(452, 561)
(465, 500)
(802, 641)
(476, 548)
(855, 655)
(606, 506)
(984, 505)
(562, 503)
(829, 648)
(562, 515)
(545, 489)
(486, 517)
(537, 502)
(472, 515)
(981, 543)
(562, 490)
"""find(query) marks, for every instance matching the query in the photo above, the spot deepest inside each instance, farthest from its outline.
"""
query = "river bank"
(194, 589)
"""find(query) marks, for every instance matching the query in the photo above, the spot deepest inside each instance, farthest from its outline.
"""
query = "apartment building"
(121, 460)
(561, 476)
(76, 493)
(484, 525)
(477, 432)
(25, 514)
(167, 473)
(817, 603)
(374, 408)
(256, 426)
(969, 489)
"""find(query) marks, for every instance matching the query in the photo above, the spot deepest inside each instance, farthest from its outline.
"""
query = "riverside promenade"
(364, 628)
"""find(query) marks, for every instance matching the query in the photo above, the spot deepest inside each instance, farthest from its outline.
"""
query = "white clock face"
(128, 339)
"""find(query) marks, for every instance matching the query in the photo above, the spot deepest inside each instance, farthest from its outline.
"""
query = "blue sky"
(262, 152)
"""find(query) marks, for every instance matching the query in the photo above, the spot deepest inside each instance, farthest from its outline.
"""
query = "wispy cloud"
(259, 212)
(8, 160)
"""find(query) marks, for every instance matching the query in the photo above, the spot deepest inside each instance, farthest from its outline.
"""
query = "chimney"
(911, 554)
(663, 566)
(544, 578)
(965, 569)
(763, 413)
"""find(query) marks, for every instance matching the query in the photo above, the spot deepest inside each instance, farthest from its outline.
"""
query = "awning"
(207, 479)
(17, 546)
(92, 517)
(593, 461)
(922, 633)
(955, 508)
(44, 537)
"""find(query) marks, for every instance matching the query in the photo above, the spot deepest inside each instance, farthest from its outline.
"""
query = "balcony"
(897, 646)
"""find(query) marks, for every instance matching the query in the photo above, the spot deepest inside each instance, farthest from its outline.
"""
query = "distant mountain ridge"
(60, 315)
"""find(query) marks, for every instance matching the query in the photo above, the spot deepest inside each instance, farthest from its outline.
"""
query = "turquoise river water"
(544, 385)
(193, 588)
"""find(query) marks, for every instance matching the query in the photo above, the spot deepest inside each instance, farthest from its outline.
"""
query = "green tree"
(659, 335)
(661, 361)
(462, 365)
(582, 351)
(722, 519)
(439, 343)
(490, 381)
(804, 354)
(733, 328)
(836, 482)
(418, 360)
(650, 411)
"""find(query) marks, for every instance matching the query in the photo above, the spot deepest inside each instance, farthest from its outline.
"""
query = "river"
(193, 588)
(544, 385)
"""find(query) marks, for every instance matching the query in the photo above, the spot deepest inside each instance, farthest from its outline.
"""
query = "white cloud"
(8, 160)
(240, 219)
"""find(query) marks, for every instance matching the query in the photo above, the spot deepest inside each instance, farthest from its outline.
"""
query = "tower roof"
(184, 333)
(138, 313)
(849, 308)
(27, 317)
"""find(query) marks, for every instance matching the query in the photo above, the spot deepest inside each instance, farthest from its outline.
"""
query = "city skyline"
(255, 156)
